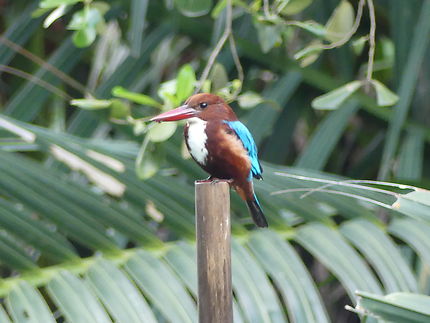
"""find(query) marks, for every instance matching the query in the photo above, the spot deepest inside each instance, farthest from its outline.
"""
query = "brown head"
(205, 106)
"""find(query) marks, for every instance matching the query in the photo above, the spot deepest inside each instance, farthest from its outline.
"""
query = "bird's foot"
(215, 180)
(218, 180)
(207, 180)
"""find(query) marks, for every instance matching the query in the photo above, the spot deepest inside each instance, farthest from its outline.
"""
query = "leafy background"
(96, 205)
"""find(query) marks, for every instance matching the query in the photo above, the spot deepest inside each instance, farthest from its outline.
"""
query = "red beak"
(183, 112)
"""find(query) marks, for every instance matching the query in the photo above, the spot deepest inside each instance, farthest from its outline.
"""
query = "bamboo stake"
(214, 252)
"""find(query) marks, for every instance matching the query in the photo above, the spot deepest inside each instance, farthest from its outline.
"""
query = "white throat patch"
(197, 139)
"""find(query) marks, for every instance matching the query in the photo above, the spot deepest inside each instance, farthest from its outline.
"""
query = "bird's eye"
(203, 105)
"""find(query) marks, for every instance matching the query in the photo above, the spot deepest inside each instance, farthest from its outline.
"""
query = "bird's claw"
(218, 180)
(214, 180)
(207, 180)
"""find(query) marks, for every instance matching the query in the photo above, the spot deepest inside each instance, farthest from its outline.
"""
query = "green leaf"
(358, 45)
(118, 293)
(101, 6)
(219, 7)
(254, 301)
(411, 160)
(139, 98)
(26, 304)
(167, 92)
(160, 132)
(161, 286)
(147, 162)
(310, 26)
(54, 15)
(4, 318)
(58, 209)
(185, 82)
(382, 253)
(139, 128)
(340, 22)
(261, 120)
(119, 109)
(20, 223)
(218, 77)
(295, 6)
(85, 18)
(194, 8)
(14, 256)
(329, 247)
(75, 299)
(206, 87)
(396, 307)
(281, 261)
(67, 194)
(387, 53)
(57, 3)
(268, 35)
(415, 233)
(310, 53)
(84, 37)
(249, 100)
(415, 204)
(227, 92)
(91, 104)
(325, 137)
(85, 23)
(334, 99)
(138, 10)
(311, 49)
(384, 96)
(182, 260)
(416, 58)
(39, 12)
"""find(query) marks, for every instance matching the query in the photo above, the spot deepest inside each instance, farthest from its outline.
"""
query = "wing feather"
(248, 142)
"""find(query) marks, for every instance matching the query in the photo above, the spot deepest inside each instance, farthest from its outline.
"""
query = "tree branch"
(36, 59)
(239, 67)
(227, 32)
(372, 43)
(353, 29)
(36, 80)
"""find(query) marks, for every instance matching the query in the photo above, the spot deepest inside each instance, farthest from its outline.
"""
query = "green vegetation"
(97, 204)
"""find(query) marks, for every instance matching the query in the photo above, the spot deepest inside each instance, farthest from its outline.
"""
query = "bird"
(221, 145)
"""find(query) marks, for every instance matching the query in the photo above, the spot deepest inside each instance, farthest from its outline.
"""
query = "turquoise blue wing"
(245, 136)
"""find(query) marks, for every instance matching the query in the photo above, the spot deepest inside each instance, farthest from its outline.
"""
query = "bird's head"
(205, 106)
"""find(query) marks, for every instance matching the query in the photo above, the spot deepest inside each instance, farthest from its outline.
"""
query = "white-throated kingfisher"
(221, 145)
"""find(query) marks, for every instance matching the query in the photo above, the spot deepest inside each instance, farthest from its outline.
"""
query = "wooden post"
(214, 252)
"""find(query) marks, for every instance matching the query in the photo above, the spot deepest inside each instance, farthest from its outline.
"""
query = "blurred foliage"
(96, 204)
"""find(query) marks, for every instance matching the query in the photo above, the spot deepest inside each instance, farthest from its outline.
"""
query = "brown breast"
(227, 158)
